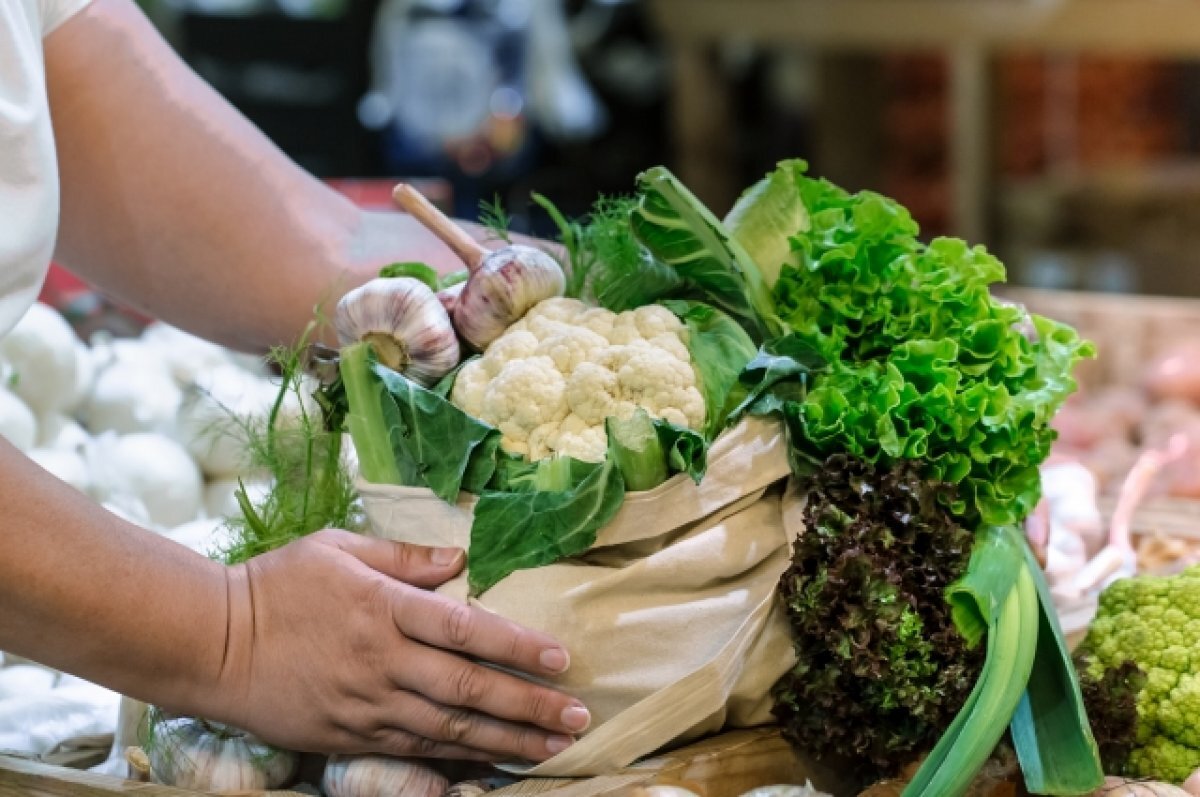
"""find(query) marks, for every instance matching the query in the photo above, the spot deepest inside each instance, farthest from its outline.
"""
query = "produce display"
(150, 427)
(805, 378)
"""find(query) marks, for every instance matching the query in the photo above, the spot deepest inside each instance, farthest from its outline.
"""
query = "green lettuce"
(924, 363)
(767, 215)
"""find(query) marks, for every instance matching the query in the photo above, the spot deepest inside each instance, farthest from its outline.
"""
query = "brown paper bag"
(671, 618)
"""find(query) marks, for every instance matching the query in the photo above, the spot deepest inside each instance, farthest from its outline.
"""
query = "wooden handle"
(411, 201)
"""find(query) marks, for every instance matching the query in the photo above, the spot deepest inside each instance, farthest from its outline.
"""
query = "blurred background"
(1062, 133)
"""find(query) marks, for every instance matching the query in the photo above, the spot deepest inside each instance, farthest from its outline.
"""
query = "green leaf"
(687, 450)
(366, 399)
(495, 219)
(683, 234)
(997, 593)
(1050, 728)
(780, 373)
(521, 530)
(635, 446)
(417, 271)
(720, 349)
(434, 443)
(609, 266)
(767, 215)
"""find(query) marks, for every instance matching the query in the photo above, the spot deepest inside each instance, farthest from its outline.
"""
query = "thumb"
(412, 564)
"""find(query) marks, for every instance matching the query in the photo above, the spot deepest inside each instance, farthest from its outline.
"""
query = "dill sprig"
(311, 486)
(608, 265)
(495, 219)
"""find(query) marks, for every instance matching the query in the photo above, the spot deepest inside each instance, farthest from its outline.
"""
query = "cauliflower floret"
(557, 309)
(592, 392)
(470, 386)
(571, 348)
(654, 320)
(652, 378)
(543, 441)
(581, 440)
(670, 342)
(625, 330)
(509, 347)
(526, 393)
(598, 320)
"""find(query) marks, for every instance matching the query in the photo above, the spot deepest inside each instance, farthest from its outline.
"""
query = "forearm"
(85, 592)
(176, 204)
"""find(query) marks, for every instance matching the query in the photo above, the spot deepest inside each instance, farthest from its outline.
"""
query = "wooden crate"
(723, 766)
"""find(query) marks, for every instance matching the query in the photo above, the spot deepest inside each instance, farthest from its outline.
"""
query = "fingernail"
(444, 557)
(576, 718)
(556, 744)
(555, 660)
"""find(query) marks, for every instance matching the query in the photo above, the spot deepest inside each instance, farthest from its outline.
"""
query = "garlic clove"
(405, 324)
(510, 282)
(380, 776)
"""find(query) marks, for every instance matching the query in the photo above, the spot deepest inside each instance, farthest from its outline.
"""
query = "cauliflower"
(1155, 623)
(550, 381)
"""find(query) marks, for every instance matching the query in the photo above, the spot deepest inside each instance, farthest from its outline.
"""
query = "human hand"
(336, 645)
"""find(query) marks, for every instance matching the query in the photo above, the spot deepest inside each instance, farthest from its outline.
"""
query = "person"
(123, 165)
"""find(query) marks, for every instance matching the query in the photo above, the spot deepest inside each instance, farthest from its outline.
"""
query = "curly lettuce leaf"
(924, 363)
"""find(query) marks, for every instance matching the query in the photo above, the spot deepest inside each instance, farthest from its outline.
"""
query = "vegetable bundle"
(916, 409)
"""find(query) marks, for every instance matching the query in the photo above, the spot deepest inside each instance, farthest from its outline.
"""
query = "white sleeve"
(56, 12)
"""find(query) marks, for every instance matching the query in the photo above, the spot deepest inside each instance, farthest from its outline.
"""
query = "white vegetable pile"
(141, 425)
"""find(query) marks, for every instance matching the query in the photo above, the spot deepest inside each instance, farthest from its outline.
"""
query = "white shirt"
(28, 166)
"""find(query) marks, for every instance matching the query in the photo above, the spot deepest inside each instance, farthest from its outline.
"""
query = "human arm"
(174, 203)
(329, 644)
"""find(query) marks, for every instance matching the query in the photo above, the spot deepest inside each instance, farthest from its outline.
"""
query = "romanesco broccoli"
(1154, 621)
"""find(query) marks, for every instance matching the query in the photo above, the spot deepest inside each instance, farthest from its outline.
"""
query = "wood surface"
(20, 778)
(1144, 27)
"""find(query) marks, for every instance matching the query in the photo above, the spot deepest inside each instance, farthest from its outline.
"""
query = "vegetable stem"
(415, 204)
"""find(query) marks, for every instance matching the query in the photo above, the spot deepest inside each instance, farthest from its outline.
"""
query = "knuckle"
(458, 625)
(538, 705)
(527, 742)
(469, 687)
(457, 726)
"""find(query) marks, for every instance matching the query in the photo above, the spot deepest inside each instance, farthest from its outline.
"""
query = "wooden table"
(970, 32)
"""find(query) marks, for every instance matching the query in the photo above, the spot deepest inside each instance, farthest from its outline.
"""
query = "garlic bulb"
(380, 776)
(405, 324)
(508, 283)
(503, 284)
(210, 757)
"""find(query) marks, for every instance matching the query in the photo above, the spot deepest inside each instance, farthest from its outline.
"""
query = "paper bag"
(671, 618)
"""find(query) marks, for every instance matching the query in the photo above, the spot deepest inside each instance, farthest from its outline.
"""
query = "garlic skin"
(405, 324)
(449, 296)
(380, 776)
(507, 284)
(210, 757)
